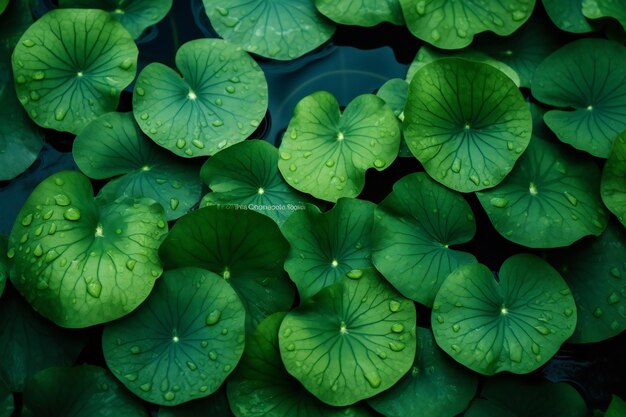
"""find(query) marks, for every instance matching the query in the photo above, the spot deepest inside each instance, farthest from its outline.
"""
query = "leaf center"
(334, 263)
(532, 188)
(192, 95)
(343, 329)
(340, 136)
(99, 231)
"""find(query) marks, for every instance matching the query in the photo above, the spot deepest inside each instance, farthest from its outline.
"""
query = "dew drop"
(135, 350)
(285, 155)
(192, 366)
(290, 347)
(568, 312)
(131, 377)
(373, 378)
(456, 328)
(213, 317)
(379, 163)
(39, 75)
(613, 298)
(396, 346)
(62, 200)
(435, 35)
(169, 396)
(38, 251)
(397, 328)
(474, 178)
(615, 272)
(543, 330)
(456, 165)
(27, 220)
(72, 214)
(180, 143)
(145, 387)
(572, 200)
(212, 355)
(499, 202)
(456, 348)
(394, 306)
(330, 163)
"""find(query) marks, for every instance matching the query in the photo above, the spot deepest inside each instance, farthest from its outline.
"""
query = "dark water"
(355, 61)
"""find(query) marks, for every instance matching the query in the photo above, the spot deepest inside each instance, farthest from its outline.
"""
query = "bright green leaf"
(135, 15)
(587, 79)
(434, 387)
(596, 9)
(277, 29)
(182, 343)
(451, 24)
(81, 261)
(567, 15)
(617, 407)
(413, 230)
(325, 153)
(466, 122)
(71, 65)
(246, 175)
(113, 145)
(220, 99)
(550, 199)
(361, 12)
(83, 391)
(242, 246)
(395, 92)
(515, 324)
(351, 340)
(613, 182)
(596, 273)
(327, 246)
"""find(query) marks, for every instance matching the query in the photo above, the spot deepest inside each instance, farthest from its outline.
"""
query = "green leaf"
(135, 15)
(596, 9)
(20, 140)
(81, 261)
(325, 153)
(246, 174)
(435, 387)
(7, 406)
(261, 387)
(3, 5)
(83, 391)
(113, 145)
(29, 343)
(361, 12)
(613, 182)
(595, 271)
(17, 17)
(327, 246)
(395, 92)
(617, 407)
(220, 99)
(524, 50)
(466, 122)
(484, 408)
(215, 405)
(182, 343)
(531, 399)
(550, 199)
(587, 78)
(351, 340)
(413, 230)
(282, 29)
(4, 263)
(515, 324)
(244, 247)
(428, 54)
(567, 15)
(71, 65)
(450, 24)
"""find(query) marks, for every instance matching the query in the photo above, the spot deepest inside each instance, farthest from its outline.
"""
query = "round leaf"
(246, 174)
(361, 12)
(435, 386)
(596, 272)
(327, 246)
(244, 247)
(280, 29)
(466, 122)
(135, 15)
(182, 343)
(351, 340)
(450, 24)
(20, 139)
(395, 92)
(326, 153)
(114, 145)
(215, 405)
(550, 199)
(617, 407)
(220, 99)
(29, 343)
(587, 78)
(83, 391)
(596, 9)
(81, 261)
(71, 65)
(484, 408)
(513, 325)
(413, 230)
(567, 15)
(261, 387)
(613, 183)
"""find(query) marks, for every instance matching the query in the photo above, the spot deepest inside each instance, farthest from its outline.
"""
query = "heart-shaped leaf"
(466, 122)
(81, 261)
(325, 153)
(515, 324)
(413, 230)
(587, 80)
(71, 65)
(182, 343)
(220, 99)
(351, 340)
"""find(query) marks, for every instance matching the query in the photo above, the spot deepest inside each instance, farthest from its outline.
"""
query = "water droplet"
(135, 350)
(396, 346)
(519, 15)
(572, 200)
(394, 306)
(287, 332)
(20, 79)
(456, 348)
(536, 349)
(27, 220)
(72, 214)
(440, 319)
(213, 317)
(293, 168)
(212, 355)
(542, 329)
(474, 178)
(28, 43)
(397, 328)
(456, 165)
(217, 123)
(379, 163)
(568, 312)
(169, 396)
(39, 75)
(355, 274)
(290, 347)
(51, 255)
(613, 298)
(307, 154)
(94, 289)
(34, 95)
(435, 35)
(615, 272)
(221, 10)
(131, 377)
(197, 143)
(230, 89)
(11, 253)
(330, 163)
(192, 366)
(38, 250)
(373, 378)
(180, 143)
(62, 200)
(515, 353)
(499, 202)
(420, 7)
(615, 325)
(456, 328)
(145, 387)
(285, 155)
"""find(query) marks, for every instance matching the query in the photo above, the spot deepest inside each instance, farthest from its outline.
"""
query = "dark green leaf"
(567, 15)
(596, 9)
(613, 182)
(617, 408)
(361, 12)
